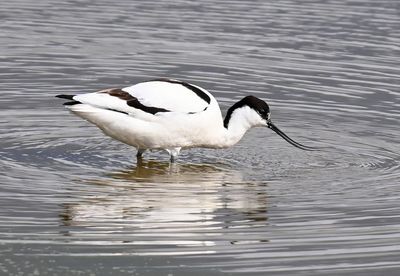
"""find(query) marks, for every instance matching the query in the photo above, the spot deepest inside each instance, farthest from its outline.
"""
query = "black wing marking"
(200, 93)
(149, 109)
(68, 97)
(63, 96)
(132, 101)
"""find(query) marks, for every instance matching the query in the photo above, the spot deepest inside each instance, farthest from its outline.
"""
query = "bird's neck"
(236, 124)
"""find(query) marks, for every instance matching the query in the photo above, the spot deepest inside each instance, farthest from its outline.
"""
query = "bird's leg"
(139, 153)
(173, 158)
(174, 152)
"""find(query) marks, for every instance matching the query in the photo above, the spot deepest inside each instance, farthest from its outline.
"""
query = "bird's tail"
(68, 97)
(63, 96)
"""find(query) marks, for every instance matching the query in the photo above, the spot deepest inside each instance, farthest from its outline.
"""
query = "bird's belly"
(144, 135)
(164, 132)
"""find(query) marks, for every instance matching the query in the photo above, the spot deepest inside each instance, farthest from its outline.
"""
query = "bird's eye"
(264, 113)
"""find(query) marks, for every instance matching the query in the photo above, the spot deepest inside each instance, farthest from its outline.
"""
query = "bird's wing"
(154, 97)
(172, 95)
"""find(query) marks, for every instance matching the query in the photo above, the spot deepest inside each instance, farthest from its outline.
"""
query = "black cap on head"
(262, 109)
(255, 103)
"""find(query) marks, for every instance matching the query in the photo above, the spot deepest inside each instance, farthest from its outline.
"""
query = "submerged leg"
(173, 153)
(139, 153)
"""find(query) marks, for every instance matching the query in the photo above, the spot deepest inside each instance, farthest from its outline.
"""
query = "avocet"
(171, 115)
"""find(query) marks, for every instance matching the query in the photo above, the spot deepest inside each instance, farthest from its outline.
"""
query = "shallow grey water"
(74, 202)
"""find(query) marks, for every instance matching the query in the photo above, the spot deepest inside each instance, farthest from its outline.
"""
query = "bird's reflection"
(177, 200)
(167, 171)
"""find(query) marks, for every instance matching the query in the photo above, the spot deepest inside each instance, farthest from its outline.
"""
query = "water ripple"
(76, 202)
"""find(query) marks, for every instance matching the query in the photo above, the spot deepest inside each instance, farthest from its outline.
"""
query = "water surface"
(74, 202)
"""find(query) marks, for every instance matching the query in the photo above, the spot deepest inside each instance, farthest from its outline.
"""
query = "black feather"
(255, 103)
(72, 103)
(189, 86)
(149, 109)
(68, 97)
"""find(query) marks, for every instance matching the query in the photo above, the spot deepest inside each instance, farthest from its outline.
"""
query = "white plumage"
(169, 95)
(170, 114)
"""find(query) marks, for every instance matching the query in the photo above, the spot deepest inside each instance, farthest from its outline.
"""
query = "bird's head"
(255, 112)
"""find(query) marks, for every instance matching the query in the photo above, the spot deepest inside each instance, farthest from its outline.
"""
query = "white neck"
(241, 120)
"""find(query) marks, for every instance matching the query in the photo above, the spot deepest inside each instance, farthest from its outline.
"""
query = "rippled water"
(74, 202)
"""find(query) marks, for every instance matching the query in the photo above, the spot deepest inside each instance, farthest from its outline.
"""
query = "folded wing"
(153, 97)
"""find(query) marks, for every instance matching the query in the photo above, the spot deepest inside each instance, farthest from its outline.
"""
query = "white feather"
(189, 122)
(171, 96)
(104, 101)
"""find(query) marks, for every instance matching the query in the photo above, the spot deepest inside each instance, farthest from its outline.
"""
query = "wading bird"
(171, 115)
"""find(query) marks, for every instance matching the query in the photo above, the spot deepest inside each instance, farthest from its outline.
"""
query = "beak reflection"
(287, 138)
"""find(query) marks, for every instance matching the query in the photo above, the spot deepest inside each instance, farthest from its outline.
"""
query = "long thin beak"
(287, 138)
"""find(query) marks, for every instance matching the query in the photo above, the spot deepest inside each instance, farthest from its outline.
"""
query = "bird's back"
(152, 114)
(172, 95)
